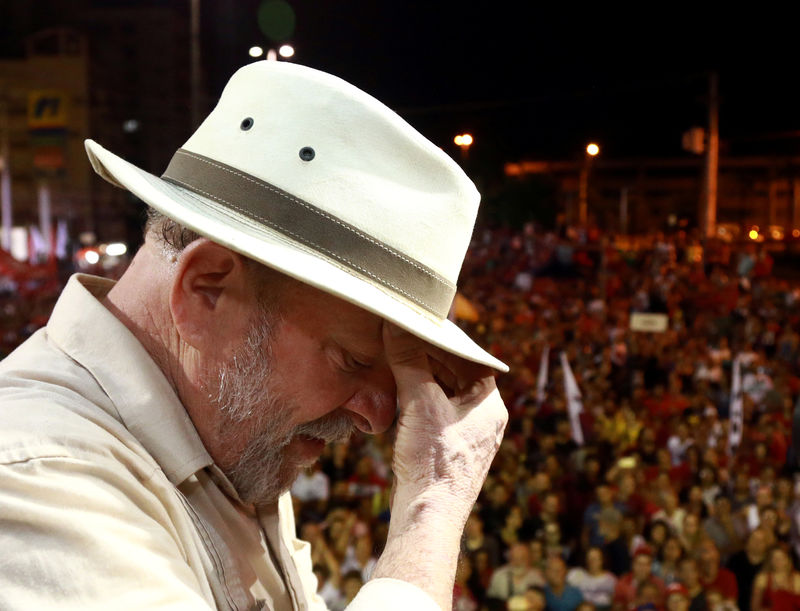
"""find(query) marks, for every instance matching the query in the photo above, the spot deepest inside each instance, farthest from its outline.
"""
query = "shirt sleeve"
(84, 533)
(391, 595)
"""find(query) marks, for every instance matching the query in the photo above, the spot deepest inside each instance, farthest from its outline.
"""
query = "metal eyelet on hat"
(307, 153)
(247, 124)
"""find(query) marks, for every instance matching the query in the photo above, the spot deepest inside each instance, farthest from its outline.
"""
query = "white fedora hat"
(309, 175)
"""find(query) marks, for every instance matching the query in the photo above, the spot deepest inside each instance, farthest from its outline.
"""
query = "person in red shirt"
(625, 593)
(715, 577)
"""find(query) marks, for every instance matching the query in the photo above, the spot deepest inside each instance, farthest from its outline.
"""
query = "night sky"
(530, 81)
(527, 80)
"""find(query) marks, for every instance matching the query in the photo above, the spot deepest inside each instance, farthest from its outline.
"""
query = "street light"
(285, 51)
(592, 149)
(464, 141)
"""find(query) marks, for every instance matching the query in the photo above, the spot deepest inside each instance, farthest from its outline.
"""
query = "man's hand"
(451, 421)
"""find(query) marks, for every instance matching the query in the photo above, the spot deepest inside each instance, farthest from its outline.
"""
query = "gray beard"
(251, 405)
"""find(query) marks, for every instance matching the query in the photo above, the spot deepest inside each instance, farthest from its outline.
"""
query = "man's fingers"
(407, 358)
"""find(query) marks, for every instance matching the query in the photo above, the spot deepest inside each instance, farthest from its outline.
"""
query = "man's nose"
(374, 402)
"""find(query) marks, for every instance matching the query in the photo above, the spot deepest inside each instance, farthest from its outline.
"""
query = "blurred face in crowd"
(779, 561)
(555, 572)
(669, 500)
(677, 602)
(689, 573)
(627, 485)
(642, 565)
(550, 504)
(658, 534)
(691, 525)
(649, 594)
(709, 555)
(518, 556)
(722, 507)
(769, 518)
(594, 560)
(757, 543)
(672, 550)
(604, 495)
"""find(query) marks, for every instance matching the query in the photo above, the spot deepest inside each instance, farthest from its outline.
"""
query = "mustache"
(331, 428)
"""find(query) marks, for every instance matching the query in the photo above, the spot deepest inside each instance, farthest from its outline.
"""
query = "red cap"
(677, 588)
(643, 550)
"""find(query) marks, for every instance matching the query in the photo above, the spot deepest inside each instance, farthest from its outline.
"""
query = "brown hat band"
(330, 237)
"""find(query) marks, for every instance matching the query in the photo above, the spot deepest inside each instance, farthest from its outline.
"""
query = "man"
(689, 573)
(294, 285)
(604, 499)
(560, 596)
(677, 597)
(715, 577)
(725, 529)
(515, 577)
(615, 548)
(746, 564)
(625, 595)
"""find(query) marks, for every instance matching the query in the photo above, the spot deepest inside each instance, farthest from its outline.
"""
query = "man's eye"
(352, 363)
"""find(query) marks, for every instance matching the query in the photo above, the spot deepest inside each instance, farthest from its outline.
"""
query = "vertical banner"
(736, 423)
(574, 403)
(5, 204)
(541, 381)
(45, 217)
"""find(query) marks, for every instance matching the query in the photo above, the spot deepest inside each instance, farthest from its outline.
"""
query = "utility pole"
(195, 62)
(709, 216)
(5, 178)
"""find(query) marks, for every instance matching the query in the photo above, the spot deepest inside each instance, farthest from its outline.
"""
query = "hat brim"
(207, 217)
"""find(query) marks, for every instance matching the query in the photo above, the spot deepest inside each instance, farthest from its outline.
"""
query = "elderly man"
(294, 284)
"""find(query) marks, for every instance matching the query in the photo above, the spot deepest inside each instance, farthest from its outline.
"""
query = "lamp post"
(285, 51)
(592, 150)
(464, 141)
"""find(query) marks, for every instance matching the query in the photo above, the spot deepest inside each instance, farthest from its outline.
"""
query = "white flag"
(736, 408)
(5, 205)
(541, 382)
(62, 239)
(574, 403)
(45, 218)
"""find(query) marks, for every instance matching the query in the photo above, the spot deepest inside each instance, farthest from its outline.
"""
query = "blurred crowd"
(654, 509)
(647, 505)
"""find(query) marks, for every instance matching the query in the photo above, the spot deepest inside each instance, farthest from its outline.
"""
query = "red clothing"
(725, 584)
(779, 600)
(625, 591)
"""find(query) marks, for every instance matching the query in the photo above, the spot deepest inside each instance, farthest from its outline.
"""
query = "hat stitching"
(300, 238)
(321, 213)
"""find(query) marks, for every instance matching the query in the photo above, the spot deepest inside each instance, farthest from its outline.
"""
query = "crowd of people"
(651, 507)
(641, 501)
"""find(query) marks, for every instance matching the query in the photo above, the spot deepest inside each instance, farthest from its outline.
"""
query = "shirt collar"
(145, 401)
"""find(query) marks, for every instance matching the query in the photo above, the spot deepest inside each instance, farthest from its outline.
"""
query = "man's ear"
(210, 300)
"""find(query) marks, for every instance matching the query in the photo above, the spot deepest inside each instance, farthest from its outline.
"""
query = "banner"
(541, 382)
(652, 323)
(574, 403)
(736, 423)
(47, 125)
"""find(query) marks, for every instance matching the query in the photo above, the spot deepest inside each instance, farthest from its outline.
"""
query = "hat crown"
(340, 150)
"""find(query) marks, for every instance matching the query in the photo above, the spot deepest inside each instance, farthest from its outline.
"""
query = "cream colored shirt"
(108, 499)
